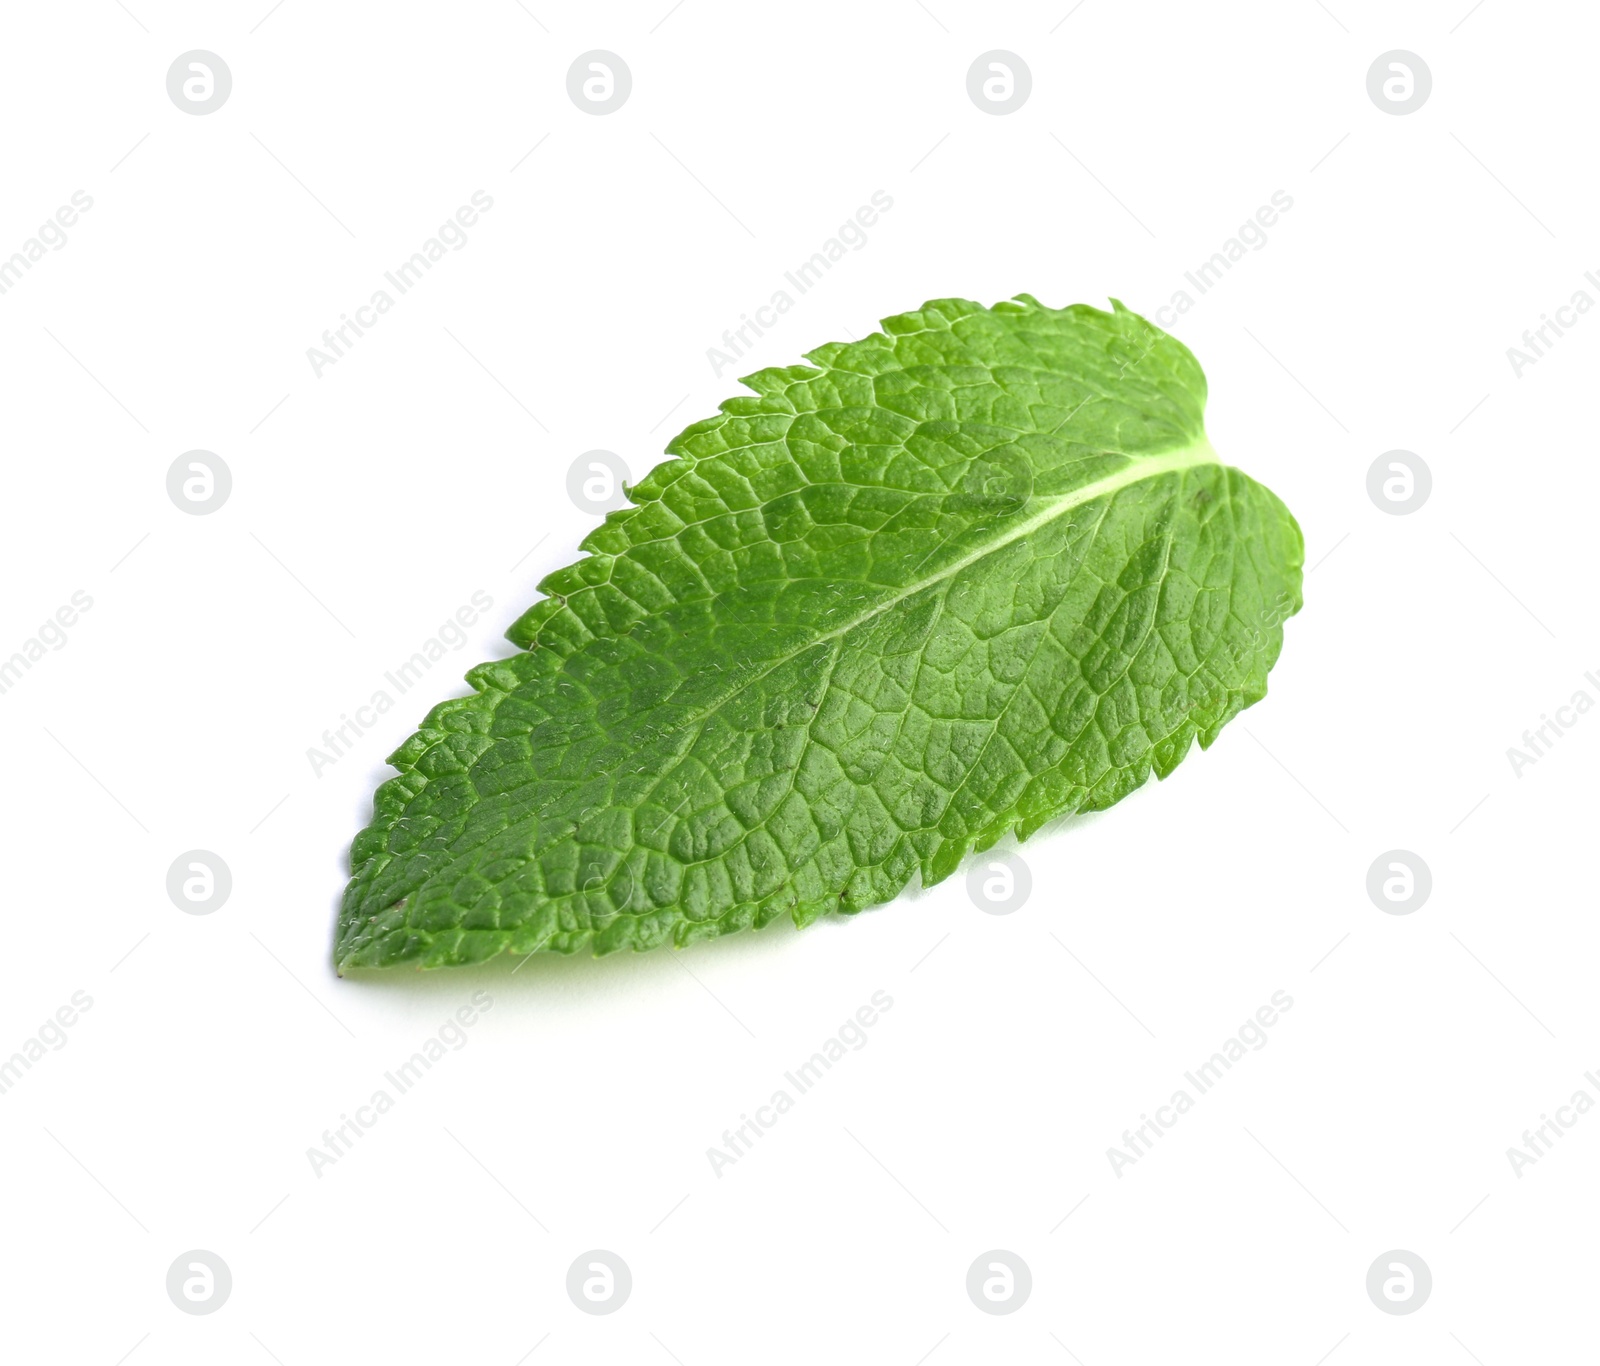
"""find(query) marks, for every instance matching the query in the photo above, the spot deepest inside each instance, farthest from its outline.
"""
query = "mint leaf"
(959, 578)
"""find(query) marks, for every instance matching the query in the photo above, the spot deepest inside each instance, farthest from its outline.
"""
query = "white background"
(369, 503)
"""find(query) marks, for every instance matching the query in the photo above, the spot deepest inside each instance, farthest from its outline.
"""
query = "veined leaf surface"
(966, 575)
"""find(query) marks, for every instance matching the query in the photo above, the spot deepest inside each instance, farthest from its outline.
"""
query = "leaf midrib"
(1138, 469)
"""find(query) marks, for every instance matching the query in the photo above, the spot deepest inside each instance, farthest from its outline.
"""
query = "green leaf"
(959, 578)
